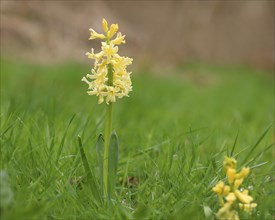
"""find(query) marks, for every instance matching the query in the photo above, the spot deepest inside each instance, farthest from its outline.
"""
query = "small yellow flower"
(247, 207)
(109, 50)
(219, 187)
(230, 175)
(243, 196)
(95, 35)
(96, 56)
(237, 183)
(98, 92)
(230, 198)
(229, 162)
(226, 190)
(112, 31)
(119, 39)
(244, 172)
(226, 213)
(105, 25)
(110, 94)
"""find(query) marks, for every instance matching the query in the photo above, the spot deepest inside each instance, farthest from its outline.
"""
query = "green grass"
(174, 132)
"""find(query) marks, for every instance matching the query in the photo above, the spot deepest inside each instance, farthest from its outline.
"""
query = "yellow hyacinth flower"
(110, 78)
(230, 196)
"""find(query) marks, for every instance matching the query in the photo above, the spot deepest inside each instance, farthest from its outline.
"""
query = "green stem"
(107, 134)
(221, 200)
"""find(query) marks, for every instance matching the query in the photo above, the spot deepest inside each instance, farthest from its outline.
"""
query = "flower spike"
(229, 195)
(113, 84)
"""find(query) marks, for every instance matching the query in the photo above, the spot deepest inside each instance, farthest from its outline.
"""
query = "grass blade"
(256, 144)
(234, 145)
(63, 139)
(8, 128)
(88, 171)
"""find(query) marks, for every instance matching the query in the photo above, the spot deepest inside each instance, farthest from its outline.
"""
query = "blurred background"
(157, 33)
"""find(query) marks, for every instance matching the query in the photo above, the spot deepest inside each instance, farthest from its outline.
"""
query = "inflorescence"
(231, 197)
(109, 76)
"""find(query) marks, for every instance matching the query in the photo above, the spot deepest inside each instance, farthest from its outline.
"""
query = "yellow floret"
(244, 172)
(243, 197)
(230, 175)
(104, 25)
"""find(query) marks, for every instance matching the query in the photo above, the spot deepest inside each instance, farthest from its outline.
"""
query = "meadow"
(174, 132)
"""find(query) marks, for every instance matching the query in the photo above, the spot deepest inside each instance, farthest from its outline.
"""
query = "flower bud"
(104, 25)
(113, 30)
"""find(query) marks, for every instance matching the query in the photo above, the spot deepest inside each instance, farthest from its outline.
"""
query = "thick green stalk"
(107, 134)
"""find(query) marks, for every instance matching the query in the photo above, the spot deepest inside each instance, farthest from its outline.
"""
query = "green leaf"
(112, 164)
(256, 144)
(99, 151)
(234, 145)
(90, 176)
(63, 140)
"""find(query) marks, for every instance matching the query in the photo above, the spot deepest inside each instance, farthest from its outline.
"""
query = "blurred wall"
(159, 32)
